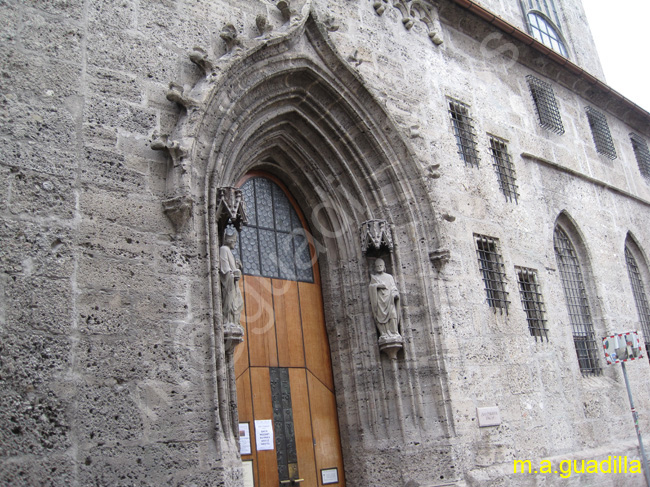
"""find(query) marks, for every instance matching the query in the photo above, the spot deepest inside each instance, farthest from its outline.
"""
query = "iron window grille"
(600, 132)
(545, 104)
(532, 301)
(504, 168)
(575, 294)
(642, 154)
(640, 296)
(463, 127)
(494, 276)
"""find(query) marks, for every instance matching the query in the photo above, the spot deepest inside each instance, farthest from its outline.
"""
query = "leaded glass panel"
(274, 243)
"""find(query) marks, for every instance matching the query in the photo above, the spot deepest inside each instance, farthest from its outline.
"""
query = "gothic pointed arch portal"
(291, 107)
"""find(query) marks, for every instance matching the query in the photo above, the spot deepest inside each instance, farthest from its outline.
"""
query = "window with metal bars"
(575, 294)
(504, 168)
(494, 276)
(531, 300)
(642, 154)
(640, 296)
(545, 104)
(600, 133)
(463, 127)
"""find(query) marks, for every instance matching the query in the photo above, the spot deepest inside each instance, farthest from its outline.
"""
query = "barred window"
(642, 154)
(504, 168)
(545, 104)
(531, 299)
(575, 294)
(600, 132)
(463, 127)
(640, 296)
(494, 276)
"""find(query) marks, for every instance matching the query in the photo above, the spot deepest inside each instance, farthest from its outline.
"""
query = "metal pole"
(635, 416)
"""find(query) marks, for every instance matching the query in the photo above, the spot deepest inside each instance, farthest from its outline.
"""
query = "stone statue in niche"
(385, 303)
(230, 274)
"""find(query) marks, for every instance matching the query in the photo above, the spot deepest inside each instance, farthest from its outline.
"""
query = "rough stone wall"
(106, 350)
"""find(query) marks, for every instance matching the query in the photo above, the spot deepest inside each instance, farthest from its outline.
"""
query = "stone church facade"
(195, 199)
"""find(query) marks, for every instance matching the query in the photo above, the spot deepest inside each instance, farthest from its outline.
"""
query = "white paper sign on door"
(264, 434)
(244, 439)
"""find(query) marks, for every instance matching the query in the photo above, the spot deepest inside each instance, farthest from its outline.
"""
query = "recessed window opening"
(640, 296)
(532, 301)
(584, 338)
(545, 32)
(504, 168)
(600, 133)
(463, 127)
(545, 104)
(494, 276)
(642, 154)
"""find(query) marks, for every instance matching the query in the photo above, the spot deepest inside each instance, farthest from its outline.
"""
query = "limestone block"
(48, 126)
(115, 84)
(107, 414)
(149, 464)
(41, 195)
(38, 303)
(36, 249)
(56, 470)
(32, 422)
(55, 38)
(107, 169)
(154, 61)
(174, 412)
(126, 117)
(27, 155)
(32, 361)
(35, 80)
(69, 9)
(120, 15)
(140, 213)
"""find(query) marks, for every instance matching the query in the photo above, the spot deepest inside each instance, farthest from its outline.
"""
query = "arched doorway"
(285, 388)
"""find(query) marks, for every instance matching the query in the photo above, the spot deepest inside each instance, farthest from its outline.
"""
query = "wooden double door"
(283, 368)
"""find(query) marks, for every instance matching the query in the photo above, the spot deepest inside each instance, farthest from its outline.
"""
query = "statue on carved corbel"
(376, 239)
(230, 218)
(232, 302)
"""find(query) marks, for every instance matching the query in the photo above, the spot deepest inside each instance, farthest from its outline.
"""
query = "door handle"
(291, 481)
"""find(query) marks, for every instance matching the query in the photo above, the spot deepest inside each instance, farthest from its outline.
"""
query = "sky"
(620, 32)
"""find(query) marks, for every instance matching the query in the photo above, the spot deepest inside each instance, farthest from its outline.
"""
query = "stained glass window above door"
(274, 243)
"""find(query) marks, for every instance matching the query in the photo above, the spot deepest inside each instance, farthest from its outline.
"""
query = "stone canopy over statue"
(386, 309)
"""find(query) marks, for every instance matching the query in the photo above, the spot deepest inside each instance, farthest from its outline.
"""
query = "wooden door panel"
(317, 350)
(241, 352)
(302, 425)
(267, 463)
(327, 441)
(262, 346)
(286, 307)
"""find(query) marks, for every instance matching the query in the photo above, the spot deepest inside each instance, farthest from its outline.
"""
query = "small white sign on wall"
(488, 416)
(264, 434)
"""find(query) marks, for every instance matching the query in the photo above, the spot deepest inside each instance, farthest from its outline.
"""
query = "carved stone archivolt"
(376, 235)
(413, 11)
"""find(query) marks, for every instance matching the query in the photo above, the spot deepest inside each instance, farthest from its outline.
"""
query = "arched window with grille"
(637, 270)
(580, 316)
(543, 22)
